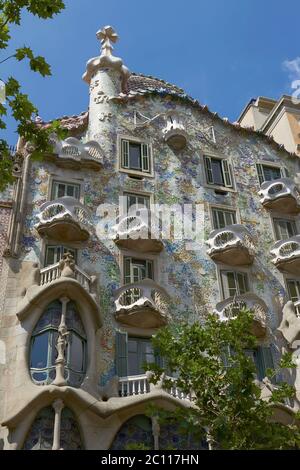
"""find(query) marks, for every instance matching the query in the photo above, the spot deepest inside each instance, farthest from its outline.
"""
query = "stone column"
(61, 346)
(58, 406)
(155, 432)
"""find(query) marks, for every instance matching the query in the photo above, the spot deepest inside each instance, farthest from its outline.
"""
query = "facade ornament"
(61, 346)
(106, 60)
(67, 265)
(290, 324)
(58, 406)
(73, 149)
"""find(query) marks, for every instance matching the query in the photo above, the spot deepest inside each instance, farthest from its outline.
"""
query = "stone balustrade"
(286, 255)
(134, 232)
(230, 308)
(231, 245)
(64, 219)
(143, 304)
(53, 272)
(281, 195)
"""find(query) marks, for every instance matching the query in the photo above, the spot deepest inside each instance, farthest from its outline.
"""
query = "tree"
(209, 362)
(19, 104)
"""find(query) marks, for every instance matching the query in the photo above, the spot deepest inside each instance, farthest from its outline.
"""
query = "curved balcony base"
(63, 231)
(233, 256)
(291, 266)
(286, 205)
(176, 141)
(141, 245)
(141, 317)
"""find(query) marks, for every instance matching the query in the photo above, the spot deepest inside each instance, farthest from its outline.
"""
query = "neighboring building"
(279, 119)
(80, 299)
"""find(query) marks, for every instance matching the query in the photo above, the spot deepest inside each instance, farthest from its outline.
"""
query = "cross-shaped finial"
(107, 35)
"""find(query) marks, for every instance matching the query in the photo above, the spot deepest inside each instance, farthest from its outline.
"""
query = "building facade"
(82, 292)
(279, 119)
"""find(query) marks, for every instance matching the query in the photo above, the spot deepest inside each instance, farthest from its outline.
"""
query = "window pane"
(76, 355)
(229, 218)
(53, 342)
(135, 161)
(217, 172)
(242, 283)
(294, 289)
(271, 173)
(231, 283)
(39, 351)
(50, 255)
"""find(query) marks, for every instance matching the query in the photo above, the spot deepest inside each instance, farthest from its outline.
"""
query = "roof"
(143, 85)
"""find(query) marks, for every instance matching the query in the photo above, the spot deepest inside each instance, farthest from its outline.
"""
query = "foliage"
(209, 362)
(19, 104)
(136, 446)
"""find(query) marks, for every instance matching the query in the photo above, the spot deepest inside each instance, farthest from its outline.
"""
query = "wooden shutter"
(145, 158)
(226, 173)
(125, 153)
(121, 353)
(260, 172)
(208, 170)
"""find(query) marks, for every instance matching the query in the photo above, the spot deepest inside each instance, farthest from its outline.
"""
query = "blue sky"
(222, 52)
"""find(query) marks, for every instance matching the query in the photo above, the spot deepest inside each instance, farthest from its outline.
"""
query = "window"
(140, 351)
(284, 228)
(136, 201)
(223, 217)
(43, 350)
(234, 283)
(263, 360)
(61, 189)
(268, 173)
(132, 353)
(135, 156)
(41, 433)
(218, 172)
(293, 289)
(54, 254)
(136, 270)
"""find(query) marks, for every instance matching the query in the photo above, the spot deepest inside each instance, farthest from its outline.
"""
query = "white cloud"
(293, 67)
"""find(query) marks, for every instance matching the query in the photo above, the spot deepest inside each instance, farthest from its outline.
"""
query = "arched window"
(136, 431)
(41, 434)
(59, 322)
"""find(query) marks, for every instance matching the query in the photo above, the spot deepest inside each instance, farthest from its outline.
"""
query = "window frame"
(222, 158)
(225, 269)
(147, 263)
(66, 183)
(291, 220)
(214, 207)
(63, 248)
(294, 279)
(143, 143)
(263, 163)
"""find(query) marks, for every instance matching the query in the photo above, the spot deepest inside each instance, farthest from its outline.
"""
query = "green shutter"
(260, 173)
(145, 158)
(121, 354)
(125, 153)
(208, 170)
(226, 173)
(264, 361)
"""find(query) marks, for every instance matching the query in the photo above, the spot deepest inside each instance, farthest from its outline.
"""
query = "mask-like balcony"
(287, 255)
(280, 195)
(64, 219)
(175, 132)
(142, 304)
(230, 308)
(231, 245)
(133, 233)
(71, 152)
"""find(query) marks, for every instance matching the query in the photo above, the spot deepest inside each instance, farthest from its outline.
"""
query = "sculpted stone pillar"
(61, 346)
(58, 406)
(107, 78)
(155, 432)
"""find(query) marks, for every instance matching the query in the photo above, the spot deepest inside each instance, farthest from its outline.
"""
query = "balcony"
(280, 195)
(71, 152)
(175, 132)
(133, 233)
(140, 385)
(58, 270)
(287, 255)
(230, 308)
(231, 245)
(64, 219)
(142, 304)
